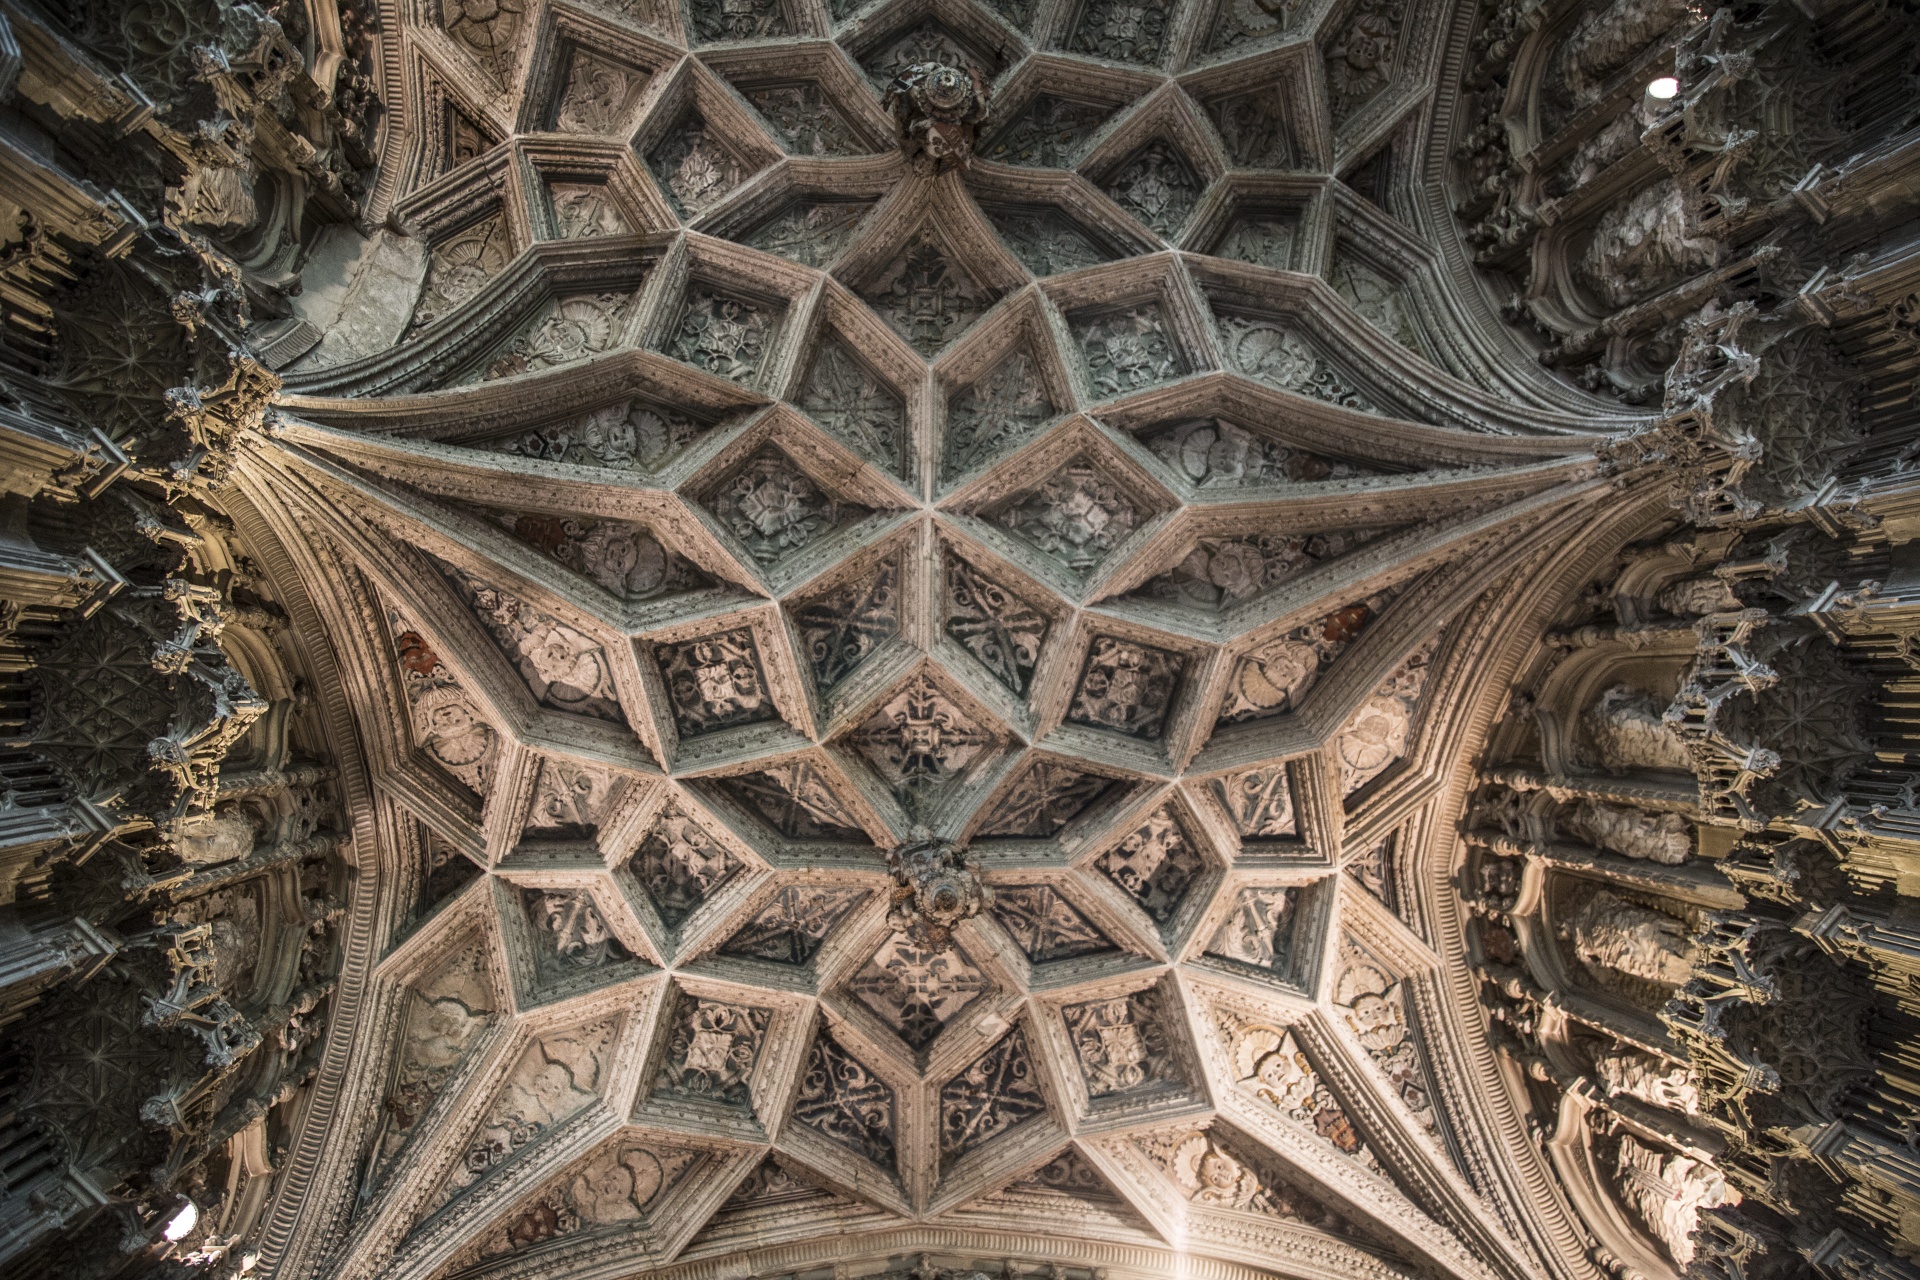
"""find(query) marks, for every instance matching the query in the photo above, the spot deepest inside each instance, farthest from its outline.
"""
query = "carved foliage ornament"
(715, 682)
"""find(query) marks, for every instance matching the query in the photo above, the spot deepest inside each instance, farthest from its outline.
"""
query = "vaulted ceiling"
(738, 501)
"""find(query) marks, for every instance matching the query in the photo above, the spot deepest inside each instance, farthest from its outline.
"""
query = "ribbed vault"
(739, 502)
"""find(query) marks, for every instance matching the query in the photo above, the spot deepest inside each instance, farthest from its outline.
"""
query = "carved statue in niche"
(1697, 597)
(1657, 1083)
(1668, 1192)
(1628, 730)
(208, 839)
(1643, 245)
(1611, 933)
(1634, 833)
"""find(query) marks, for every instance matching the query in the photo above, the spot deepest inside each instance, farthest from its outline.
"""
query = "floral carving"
(1068, 1174)
(715, 682)
(1123, 30)
(1046, 240)
(562, 667)
(845, 1102)
(1238, 21)
(1048, 134)
(930, 44)
(1006, 405)
(804, 120)
(1212, 452)
(924, 295)
(583, 210)
(856, 407)
(1218, 1174)
(1156, 864)
(724, 335)
(1258, 931)
(1157, 186)
(1044, 925)
(1077, 515)
(624, 558)
(570, 329)
(1128, 350)
(841, 628)
(680, 866)
(631, 435)
(1267, 1060)
(447, 725)
(1127, 687)
(572, 933)
(791, 928)
(597, 96)
(1046, 798)
(1273, 678)
(1372, 1004)
(1360, 56)
(1266, 240)
(774, 508)
(569, 799)
(695, 167)
(1266, 351)
(461, 265)
(993, 624)
(1258, 801)
(712, 1051)
(997, 1091)
(810, 232)
(797, 800)
(917, 989)
(1380, 732)
(556, 1076)
(487, 29)
(921, 744)
(739, 19)
(1121, 1044)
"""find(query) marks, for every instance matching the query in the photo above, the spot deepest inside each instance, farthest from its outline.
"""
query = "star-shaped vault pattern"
(738, 502)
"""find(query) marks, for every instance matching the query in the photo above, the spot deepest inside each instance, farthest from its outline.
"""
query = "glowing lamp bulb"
(1663, 88)
(184, 1221)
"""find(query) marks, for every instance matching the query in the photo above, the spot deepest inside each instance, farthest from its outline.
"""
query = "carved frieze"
(1121, 1045)
(1076, 515)
(1001, 630)
(629, 435)
(448, 726)
(1266, 350)
(1045, 798)
(1268, 1061)
(1003, 407)
(1157, 186)
(621, 556)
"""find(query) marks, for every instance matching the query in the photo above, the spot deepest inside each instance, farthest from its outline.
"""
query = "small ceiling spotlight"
(182, 1222)
(1663, 88)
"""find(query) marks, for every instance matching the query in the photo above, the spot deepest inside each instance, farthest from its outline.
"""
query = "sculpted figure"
(1643, 1076)
(1628, 731)
(1608, 932)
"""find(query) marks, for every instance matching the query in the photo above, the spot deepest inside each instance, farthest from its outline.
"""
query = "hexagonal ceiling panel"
(891, 652)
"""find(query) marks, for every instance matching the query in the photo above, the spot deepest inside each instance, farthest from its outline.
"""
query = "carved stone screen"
(949, 640)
